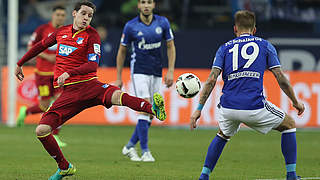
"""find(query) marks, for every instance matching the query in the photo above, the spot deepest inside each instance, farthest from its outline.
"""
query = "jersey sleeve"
(218, 61)
(167, 32)
(126, 38)
(94, 47)
(272, 57)
(35, 37)
(38, 48)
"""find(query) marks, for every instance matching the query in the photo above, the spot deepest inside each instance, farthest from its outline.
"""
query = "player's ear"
(235, 30)
(74, 12)
(254, 31)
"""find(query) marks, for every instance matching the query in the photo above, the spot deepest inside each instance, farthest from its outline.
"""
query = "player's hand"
(194, 118)
(19, 73)
(62, 78)
(168, 79)
(118, 83)
(300, 107)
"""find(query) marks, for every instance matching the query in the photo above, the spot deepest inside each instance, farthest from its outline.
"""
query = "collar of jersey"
(153, 18)
(245, 35)
(74, 35)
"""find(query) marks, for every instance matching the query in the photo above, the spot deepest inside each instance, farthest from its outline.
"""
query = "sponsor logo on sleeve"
(65, 50)
(96, 48)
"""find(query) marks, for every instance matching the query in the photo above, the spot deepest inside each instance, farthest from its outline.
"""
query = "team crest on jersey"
(158, 30)
(80, 40)
(140, 33)
(65, 50)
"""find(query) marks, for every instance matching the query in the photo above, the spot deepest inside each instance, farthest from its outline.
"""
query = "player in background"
(145, 34)
(77, 60)
(45, 62)
(242, 62)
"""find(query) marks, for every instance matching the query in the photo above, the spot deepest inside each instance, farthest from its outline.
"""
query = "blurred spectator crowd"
(181, 13)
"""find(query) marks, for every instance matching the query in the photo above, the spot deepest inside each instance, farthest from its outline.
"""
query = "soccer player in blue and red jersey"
(145, 34)
(45, 62)
(242, 62)
(77, 60)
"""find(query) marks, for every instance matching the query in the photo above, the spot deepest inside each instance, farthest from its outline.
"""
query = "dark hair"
(85, 3)
(245, 19)
(58, 7)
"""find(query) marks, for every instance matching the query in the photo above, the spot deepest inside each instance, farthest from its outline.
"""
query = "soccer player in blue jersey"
(145, 34)
(242, 62)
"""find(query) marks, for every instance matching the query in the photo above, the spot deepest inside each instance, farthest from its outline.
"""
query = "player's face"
(59, 17)
(146, 6)
(82, 17)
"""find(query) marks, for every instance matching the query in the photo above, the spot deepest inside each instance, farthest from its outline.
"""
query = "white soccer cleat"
(131, 153)
(147, 157)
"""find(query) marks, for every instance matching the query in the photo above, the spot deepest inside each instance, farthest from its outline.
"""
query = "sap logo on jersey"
(65, 50)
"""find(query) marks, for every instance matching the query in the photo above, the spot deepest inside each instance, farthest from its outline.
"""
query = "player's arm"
(121, 56)
(37, 37)
(171, 52)
(34, 51)
(204, 95)
(275, 67)
(287, 88)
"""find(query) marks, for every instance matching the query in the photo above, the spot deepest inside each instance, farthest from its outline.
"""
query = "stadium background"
(199, 26)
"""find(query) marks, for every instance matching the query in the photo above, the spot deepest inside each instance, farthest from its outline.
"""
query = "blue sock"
(143, 128)
(289, 151)
(213, 154)
(134, 139)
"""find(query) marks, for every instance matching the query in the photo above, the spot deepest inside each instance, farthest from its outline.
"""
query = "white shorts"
(262, 120)
(145, 85)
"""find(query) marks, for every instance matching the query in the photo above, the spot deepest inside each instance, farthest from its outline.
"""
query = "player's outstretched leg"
(45, 136)
(289, 146)
(213, 154)
(158, 108)
(141, 105)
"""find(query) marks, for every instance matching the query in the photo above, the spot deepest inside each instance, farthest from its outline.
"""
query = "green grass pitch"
(179, 154)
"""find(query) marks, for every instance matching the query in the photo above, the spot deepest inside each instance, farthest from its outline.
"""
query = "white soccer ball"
(188, 85)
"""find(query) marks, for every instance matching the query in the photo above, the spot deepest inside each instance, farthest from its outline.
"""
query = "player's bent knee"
(43, 130)
(116, 97)
(287, 124)
(220, 133)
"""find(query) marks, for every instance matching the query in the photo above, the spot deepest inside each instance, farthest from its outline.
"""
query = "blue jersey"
(145, 41)
(243, 61)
